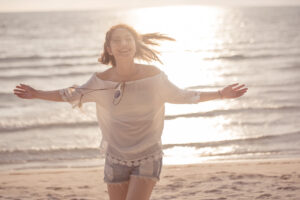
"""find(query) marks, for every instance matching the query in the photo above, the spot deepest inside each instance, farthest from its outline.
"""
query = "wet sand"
(270, 179)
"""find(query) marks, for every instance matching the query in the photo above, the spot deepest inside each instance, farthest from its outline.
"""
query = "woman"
(130, 100)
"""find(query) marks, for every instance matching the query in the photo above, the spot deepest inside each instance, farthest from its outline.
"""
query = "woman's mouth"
(124, 51)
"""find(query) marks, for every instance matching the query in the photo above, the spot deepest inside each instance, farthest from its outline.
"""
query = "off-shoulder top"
(132, 129)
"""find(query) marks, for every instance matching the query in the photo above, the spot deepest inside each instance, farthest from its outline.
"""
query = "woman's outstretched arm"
(26, 92)
(227, 92)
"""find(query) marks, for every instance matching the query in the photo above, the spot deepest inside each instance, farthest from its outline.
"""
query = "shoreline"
(37, 166)
(269, 179)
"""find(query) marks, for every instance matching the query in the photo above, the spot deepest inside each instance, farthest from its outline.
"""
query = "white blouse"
(131, 129)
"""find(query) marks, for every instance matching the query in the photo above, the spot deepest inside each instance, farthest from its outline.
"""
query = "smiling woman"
(130, 100)
(123, 41)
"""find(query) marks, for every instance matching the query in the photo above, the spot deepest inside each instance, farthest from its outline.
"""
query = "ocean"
(215, 47)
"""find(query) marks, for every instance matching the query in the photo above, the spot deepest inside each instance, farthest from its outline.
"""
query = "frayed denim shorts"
(118, 173)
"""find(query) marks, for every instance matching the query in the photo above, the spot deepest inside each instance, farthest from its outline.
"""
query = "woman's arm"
(226, 93)
(26, 92)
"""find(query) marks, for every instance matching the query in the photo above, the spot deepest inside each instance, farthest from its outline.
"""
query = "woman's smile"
(124, 51)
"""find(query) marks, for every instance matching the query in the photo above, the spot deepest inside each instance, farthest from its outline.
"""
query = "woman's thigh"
(133, 182)
(117, 191)
(143, 180)
(140, 188)
(117, 178)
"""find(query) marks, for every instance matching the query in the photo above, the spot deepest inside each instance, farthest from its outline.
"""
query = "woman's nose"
(124, 43)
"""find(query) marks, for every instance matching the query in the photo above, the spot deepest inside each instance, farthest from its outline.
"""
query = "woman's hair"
(142, 41)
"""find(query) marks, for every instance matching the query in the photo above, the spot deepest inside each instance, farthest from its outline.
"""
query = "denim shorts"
(117, 173)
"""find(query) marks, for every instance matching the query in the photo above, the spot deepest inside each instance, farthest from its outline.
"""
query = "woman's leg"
(140, 188)
(117, 191)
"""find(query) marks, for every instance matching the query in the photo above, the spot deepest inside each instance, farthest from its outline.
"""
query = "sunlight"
(196, 30)
(190, 62)
(197, 130)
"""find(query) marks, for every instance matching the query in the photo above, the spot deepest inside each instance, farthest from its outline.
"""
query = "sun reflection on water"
(188, 63)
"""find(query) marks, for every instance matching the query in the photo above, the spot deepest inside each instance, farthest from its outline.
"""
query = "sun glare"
(195, 29)
(188, 63)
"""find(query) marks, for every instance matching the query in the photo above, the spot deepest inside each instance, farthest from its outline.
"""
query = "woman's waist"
(139, 154)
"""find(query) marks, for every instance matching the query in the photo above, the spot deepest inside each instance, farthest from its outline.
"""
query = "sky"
(59, 5)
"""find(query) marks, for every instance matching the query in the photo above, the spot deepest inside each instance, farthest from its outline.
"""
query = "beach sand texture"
(276, 179)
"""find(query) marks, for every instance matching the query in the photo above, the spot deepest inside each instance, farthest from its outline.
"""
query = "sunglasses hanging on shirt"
(118, 94)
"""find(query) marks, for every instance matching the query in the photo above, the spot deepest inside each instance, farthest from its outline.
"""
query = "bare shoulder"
(105, 75)
(149, 70)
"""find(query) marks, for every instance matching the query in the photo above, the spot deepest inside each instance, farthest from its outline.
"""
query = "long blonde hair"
(142, 41)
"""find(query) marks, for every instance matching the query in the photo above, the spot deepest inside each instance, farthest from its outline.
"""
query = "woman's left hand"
(230, 92)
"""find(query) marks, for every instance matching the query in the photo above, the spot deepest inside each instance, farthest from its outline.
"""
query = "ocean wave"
(23, 77)
(233, 111)
(8, 128)
(61, 65)
(39, 57)
(292, 67)
(43, 155)
(4, 95)
(247, 48)
(284, 138)
(282, 84)
(244, 57)
(25, 127)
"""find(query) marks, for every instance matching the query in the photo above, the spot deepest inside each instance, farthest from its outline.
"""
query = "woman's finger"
(233, 84)
(237, 88)
(21, 87)
(25, 86)
(243, 90)
(19, 91)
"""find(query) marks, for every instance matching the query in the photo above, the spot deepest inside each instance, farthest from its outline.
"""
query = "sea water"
(214, 47)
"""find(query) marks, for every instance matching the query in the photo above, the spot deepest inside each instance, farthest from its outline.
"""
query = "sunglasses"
(118, 94)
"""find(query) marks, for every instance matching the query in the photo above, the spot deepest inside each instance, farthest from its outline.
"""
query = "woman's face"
(122, 44)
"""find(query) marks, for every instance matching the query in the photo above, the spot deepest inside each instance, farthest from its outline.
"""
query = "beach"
(263, 179)
(246, 148)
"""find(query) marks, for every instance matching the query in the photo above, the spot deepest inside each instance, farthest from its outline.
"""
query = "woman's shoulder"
(104, 75)
(149, 70)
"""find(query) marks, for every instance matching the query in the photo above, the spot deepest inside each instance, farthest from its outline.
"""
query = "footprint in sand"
(197, 182)
(214, 178)
(213, 191)
(289, 188)
(285, 177)
(84, 187)
(235, 177)
(57, 188)
(263, 196)
(222, 172)
(168, 176)
(235, 188)
(179, 179)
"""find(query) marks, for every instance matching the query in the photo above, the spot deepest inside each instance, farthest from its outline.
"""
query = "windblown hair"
(142, 42)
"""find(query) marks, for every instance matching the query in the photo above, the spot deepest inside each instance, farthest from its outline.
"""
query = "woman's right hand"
(25, 91)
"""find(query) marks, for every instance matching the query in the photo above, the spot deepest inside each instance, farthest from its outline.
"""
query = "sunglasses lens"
(117, 94)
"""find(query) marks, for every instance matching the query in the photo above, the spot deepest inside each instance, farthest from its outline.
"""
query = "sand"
(270, 179)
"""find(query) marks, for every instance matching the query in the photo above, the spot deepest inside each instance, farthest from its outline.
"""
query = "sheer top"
(132, 129)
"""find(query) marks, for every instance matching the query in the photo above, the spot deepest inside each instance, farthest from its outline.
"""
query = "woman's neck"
(125, 69)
